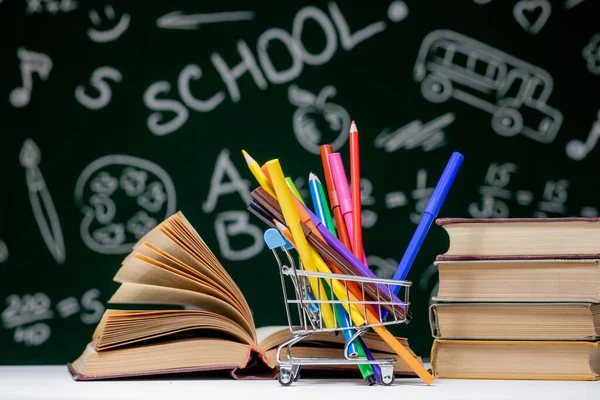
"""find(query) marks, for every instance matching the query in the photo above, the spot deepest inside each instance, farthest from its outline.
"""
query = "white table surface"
(54, 382)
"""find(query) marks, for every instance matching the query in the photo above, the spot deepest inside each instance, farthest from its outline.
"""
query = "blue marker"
(429, 214)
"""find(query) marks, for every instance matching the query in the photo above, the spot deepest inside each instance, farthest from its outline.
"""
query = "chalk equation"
(317, 121)
(499, 199)
(30, 63)
(428, 136)
(532, 15)
(107, 28)
(41, 202)
(122, 197)
(29, 314)
(451, 65)
(169, 113)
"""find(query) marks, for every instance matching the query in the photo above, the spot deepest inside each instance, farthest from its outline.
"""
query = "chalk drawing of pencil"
(41, 201)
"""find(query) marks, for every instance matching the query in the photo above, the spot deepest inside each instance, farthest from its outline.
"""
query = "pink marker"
(343, 192)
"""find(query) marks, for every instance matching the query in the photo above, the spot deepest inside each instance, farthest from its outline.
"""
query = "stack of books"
(518, 299)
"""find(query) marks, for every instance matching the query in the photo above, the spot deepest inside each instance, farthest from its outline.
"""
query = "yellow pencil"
(292, 220)
(258, 173)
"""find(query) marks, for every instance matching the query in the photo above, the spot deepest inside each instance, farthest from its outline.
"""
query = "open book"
(171, 265)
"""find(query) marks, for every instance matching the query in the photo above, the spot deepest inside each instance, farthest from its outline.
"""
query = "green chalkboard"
(117, 114)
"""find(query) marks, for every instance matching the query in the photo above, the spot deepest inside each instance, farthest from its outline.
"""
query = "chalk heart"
(532, 15)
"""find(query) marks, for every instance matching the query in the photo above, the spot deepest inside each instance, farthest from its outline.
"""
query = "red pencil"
(357, 245)
(333, 199)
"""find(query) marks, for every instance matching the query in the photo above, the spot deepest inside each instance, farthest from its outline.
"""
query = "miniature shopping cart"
(303, 308)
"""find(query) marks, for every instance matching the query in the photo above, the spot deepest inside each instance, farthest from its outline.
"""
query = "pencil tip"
(248, 158)
(353, 127)
(311, 176)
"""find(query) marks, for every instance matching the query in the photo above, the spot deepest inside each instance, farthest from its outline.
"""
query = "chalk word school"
(261, 68)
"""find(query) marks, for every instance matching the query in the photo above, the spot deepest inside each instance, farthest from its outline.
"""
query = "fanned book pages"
(171, 265)
(521, 237)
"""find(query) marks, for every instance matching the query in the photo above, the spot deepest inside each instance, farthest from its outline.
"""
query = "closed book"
(518, 237)
(519, 279)
(539, 360)
(516, 321)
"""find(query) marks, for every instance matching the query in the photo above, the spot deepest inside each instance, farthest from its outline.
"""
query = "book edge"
(448, 221)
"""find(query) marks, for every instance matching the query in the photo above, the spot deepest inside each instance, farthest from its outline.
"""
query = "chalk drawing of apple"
(317, 122)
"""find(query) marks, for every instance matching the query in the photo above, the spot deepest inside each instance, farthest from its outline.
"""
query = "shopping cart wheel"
(296, 372)
(285, 377)
(387, 375)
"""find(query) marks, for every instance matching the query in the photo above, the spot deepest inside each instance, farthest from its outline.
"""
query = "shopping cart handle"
(274, 239)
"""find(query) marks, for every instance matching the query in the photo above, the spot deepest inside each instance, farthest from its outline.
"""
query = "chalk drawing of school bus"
(514, 92)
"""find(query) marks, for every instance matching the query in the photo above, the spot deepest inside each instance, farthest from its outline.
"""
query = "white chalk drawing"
(395, 200)
(93, 306)
(179, 20)
(229, 224)
(3, 251)
(34, 335)
(495, 193)
(589, 212)
(577, 149)
(98, 82)
(41, 202)
(351, 40)
(68, 307)
(482, 2)
(26, 309)
(524, 197)
(591, 53)
(429, 136)
(30, 62)
(453, 65)
(554, 198)
(262, 70)
(50, 6)
(383, 268)
(366, 190)
(532, 15)
(139, 192)
(421, 195)
(224, 168)
(397, 11)
(369, 218)
(568, 4)
(111, 33)
(317, 122)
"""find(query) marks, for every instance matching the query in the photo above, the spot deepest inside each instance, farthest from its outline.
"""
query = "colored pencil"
(357, 242)
(333, 198)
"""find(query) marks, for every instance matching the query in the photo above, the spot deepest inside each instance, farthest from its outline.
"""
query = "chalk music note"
(578, 150)
(31, 62)
(41, 202)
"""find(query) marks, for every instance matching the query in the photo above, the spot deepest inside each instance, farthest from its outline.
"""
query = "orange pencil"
(333, 199)
(357, 245)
